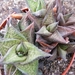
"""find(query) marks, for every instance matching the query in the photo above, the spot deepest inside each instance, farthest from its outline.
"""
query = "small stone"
(71, 73)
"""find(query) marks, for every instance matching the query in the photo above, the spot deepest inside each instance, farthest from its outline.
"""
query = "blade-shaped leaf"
(60, 18)
(37, 21)
(65, 31)
(32, 5)
(11, 56)
(52, 27)
(56, 37)
(14, 33)
(71, 20)
(62, 53)
(34, 53)
(67, 16)
(29, 33)
(40, 13)
(48, 19)
(40, 5)
(11, 69)
(40, 39)
(24, 22)
(43, 31)
(28, 69)
(5, 44)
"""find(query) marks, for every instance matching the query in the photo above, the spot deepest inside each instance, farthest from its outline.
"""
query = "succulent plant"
(42, 31)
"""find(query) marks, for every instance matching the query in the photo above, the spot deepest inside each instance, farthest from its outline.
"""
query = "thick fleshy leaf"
(11, 56)
(54, 55)
(65, 31)
(40, 13)
(50, 4)
(71, 20)
(29, 33)
(43, 31)
(45, 45)
(24, 22)
(40, 39)
(34, 53)
(5, 44)
(67, 16)
(11, 69)
(28, 69)
(36, 5)
(52, 27)
(1, 35)
(60, 18)
(21, 50)
(62, 53)
(37, 21)
(14, 33)
(41, 5)
(32, 5)
(17, 72)
(56, 37)
(48, 19)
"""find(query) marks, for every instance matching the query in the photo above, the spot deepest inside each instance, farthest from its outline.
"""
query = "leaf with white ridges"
(29, 69)
(5, 44)
(29, 33)
(32, 5)
(65, 31)
(34, 53)
(48, 19)
(52, 27)
(40, 5)
(14, 33)
(40, 13)
(12, 57)
(56, 37)
(43, 31)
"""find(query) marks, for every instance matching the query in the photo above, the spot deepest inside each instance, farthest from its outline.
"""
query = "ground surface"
(52, 67)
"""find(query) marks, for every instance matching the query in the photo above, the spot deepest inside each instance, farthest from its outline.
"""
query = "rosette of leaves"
(38, 31)
(54, 29)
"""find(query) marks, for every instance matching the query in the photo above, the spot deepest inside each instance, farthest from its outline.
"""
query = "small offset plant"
(42, 30)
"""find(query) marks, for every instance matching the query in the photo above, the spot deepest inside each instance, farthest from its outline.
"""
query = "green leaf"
(24, 22)
(67, 16)
(62, 53)
(11, 56)
(5, 44)
(40, 13)
(28, 69)
(29, 33)
(14, 33)
(63, 46)
(32, 5)
(34, 53)
(41, 5)
(36, 5)
(48, 19)
(52, 27)
(21, 50)
(11, 69)
(43, 31)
